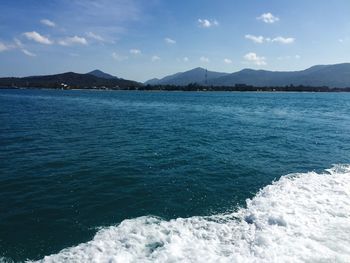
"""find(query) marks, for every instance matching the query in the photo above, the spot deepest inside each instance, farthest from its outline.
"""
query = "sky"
(144, 39)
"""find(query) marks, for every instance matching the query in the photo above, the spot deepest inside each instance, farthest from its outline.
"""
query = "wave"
(301, 217)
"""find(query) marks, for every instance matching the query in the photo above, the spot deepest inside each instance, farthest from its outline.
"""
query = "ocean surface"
(107, 176)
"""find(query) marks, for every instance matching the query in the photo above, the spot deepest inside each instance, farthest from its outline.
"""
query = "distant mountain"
(100, 74)
(196, 75)
(152, 81)
(333, 76)
(337, 75)
(68, 80)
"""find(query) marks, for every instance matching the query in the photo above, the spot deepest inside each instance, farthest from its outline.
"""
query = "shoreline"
(267, 90)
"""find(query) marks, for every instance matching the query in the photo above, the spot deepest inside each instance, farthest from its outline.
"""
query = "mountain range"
(332, 76)
(337, 76)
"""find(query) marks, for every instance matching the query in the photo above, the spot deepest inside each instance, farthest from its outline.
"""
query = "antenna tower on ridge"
(206, 77)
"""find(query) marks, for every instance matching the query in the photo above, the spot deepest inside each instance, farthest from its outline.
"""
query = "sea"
(133, 176)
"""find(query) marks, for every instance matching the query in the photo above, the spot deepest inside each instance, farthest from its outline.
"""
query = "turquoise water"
(73, 162)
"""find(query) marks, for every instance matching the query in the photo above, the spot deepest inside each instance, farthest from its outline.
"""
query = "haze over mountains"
(337, 75)
(332, 76)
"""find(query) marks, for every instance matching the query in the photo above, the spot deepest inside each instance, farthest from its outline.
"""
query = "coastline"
(183, 89)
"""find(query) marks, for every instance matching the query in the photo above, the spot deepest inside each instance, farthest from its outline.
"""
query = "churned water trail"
(302, 217)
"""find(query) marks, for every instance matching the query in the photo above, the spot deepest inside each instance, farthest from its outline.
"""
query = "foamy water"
(300, 218)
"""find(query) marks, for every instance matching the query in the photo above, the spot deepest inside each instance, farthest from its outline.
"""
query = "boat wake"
(302, 217)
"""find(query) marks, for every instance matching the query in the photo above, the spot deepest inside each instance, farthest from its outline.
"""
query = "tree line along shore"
(190, 87)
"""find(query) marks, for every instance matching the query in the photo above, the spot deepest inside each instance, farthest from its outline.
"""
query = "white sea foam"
(300, 218)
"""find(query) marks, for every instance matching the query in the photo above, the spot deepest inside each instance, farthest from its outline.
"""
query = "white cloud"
(283, 40)
(169, 40)
(155, 58)
(204, 59)
(118, 57)
(95, 36)
(185, 59)
(279, 39)
(47, 22)
(35, 36)
(18, 43)
(227, 61)
(297, 57)
(255, 59)
(268, 18)
(135, 51)
(206, 23)
(3, 47)
(28, 53)
(255, 39)
(76, 40)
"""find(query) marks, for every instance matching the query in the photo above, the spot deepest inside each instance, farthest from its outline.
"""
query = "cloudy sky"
(142, 39)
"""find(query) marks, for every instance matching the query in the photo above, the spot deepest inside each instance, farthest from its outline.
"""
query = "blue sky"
(139, 40)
